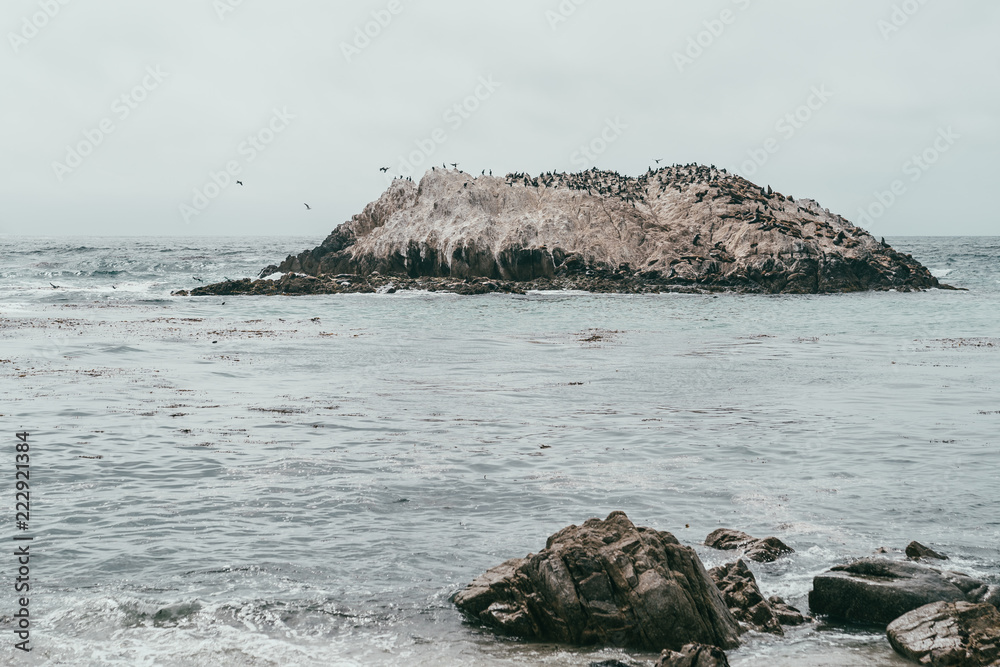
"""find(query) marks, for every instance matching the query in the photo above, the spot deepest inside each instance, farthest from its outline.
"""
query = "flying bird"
(384, 169)
(201, 280)
(57, 286)
(239, 182)
(455, 165)
(658, 161)
(308, 207)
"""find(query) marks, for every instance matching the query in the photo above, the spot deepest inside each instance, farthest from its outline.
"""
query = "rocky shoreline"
(686, 228)
(611, 583)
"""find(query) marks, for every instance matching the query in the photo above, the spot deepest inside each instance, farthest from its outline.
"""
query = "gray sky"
(116, 111)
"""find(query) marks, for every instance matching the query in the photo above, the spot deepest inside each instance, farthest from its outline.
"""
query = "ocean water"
(306, 481)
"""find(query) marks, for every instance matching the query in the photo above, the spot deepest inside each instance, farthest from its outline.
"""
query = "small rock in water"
(786, 613)
(948, 634)
(694, 655)
(915, 551)
(761, 551)
(739, 589)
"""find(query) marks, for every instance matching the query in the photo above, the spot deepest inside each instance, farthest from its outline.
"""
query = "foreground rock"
(879, 591)
(605, 582)
(682, 227)
(761, 551)
(694, 655)
(948, 634)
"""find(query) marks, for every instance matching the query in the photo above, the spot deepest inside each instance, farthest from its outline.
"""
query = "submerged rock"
(681, 227)
(694, 655)
(879, 591)
(761, 551)
(605, 582)
(953, 634)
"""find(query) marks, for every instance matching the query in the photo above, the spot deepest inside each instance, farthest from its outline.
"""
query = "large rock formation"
(605, 582)
(683, 227)
(879, 591)
(944, 634)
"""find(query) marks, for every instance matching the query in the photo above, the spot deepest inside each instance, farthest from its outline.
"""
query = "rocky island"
(681, 228)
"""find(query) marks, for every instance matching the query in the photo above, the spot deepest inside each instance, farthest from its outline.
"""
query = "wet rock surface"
(678, 228)
(694, 655)
(878, 591)
(758, 550)
(948, 634)
(605, 582)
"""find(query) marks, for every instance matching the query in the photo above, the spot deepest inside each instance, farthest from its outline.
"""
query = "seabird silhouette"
(239, 182)
(201, 280)
(384, 169)
(658, 161)
(308, 207)
(455, 165)
(54, 286)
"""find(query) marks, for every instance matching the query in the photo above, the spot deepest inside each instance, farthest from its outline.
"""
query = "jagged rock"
(786, 613)
(605, 582)
(694, 655)
(943, 634)
(916, 551)
(760, 551)
(682, 226)
(743, 597)
(879, 591)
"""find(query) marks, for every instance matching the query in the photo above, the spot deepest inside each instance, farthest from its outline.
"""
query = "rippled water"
(305, 481)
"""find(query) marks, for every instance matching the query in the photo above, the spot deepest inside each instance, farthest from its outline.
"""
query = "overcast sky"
(116, 112)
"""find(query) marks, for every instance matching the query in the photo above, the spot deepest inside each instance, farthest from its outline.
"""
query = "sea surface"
(306, 480)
